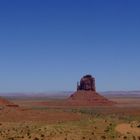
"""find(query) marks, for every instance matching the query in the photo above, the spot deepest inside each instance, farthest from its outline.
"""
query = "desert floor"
(33, 121)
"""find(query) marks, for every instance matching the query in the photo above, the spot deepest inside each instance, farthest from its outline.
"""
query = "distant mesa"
(4, 102)
(86, 94)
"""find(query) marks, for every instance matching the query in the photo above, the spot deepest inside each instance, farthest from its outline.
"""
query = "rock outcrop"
(4, 102)
(86, 94)
(87, 83)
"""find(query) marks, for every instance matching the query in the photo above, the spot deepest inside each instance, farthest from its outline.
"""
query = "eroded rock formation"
(87, 82)
(86, 94)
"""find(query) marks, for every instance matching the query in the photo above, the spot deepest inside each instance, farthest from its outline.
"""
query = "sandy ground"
(33, 122)
(125, 128)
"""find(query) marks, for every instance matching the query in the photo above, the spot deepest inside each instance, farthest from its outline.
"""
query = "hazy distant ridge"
(65, 94)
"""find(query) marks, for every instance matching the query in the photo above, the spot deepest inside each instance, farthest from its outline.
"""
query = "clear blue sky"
(47, 45)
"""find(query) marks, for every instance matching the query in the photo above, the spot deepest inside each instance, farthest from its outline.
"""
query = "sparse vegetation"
(71, 123)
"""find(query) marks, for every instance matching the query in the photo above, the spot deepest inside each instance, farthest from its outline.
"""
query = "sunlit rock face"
(87, 82)
(86, 94)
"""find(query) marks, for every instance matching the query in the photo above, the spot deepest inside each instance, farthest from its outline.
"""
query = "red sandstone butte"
(86, 94)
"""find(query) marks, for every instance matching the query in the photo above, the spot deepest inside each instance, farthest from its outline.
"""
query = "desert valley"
(84, 115)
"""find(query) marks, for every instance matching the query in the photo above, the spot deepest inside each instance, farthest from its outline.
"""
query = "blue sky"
(47, 45)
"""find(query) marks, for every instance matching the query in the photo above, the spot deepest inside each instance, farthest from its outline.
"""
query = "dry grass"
(60, 123)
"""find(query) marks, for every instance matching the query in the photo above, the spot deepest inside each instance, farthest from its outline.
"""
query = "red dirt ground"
(9, 114)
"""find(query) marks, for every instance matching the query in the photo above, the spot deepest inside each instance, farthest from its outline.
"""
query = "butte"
(86, 94)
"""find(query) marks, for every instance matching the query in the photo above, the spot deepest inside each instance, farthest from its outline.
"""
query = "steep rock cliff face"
(86, 94)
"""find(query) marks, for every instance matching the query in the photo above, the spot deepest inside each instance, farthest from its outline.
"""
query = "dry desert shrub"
(134, 138)
(42, 135)
(36, 138)
(125, 137)
(83, 137)
(103, 137)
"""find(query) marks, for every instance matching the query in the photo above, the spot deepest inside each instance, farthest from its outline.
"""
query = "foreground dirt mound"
(4, 102)
(88, 98)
